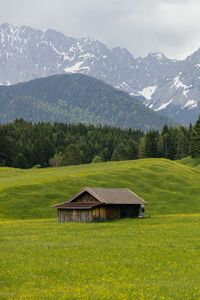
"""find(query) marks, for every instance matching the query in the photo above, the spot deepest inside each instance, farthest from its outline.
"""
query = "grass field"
(168, 186)
(153, 258)
(156, 258)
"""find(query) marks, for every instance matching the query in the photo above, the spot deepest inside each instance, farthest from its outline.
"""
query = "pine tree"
(96, 159)
(3, 147)
(120, 153)
(195, 140)
(20, 161)
(42, 151)
(141, 148)
(72, 156)
(151, 144)
(57, 160)
(182, 143)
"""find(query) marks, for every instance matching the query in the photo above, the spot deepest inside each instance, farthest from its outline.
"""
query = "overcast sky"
(142, 26)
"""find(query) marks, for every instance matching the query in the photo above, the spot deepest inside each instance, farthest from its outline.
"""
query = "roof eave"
(86, 189)
(142, 200)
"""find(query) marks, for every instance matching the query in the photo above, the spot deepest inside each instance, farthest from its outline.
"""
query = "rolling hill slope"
(151, 258)
(169, 187)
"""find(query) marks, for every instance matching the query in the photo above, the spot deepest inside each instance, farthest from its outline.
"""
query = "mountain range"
(168, 86)
(75, 98)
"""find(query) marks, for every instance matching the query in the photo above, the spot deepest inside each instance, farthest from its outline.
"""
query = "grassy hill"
(192, 162)
(151, 258)
(169, 187)
(155, 258)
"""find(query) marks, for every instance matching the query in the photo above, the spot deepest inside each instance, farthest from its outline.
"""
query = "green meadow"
(157, 257)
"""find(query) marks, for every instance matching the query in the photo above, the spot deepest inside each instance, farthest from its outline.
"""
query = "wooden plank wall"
(112, 212)
(98, 214)
(109, 212)
(82, 215)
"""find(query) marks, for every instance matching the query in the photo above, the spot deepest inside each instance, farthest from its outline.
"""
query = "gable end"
(85, 197)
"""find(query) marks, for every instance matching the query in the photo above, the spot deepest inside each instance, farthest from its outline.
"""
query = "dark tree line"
(25, 145)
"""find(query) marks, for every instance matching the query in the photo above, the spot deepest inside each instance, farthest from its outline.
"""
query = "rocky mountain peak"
(27, 53)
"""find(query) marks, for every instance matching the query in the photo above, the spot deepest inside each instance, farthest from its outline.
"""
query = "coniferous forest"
(26, 145)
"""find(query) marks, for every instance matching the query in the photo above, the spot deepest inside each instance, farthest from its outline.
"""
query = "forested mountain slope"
(74, 98)
(166, 85)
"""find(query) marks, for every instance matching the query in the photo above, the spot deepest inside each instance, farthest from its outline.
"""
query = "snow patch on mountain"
(159, 56)
(6, 83)
(126, 88)
(87, 55)
(190, 104)
(177, 83)
(75, 68)
(164, 105)
(27, 53)
(148, 91)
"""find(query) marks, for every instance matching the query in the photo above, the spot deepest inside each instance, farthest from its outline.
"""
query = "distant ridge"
(168, 86)
(75, 98)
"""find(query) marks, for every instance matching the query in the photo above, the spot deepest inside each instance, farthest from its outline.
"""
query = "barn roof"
(77, 205)
(105, 196)
(115, 196)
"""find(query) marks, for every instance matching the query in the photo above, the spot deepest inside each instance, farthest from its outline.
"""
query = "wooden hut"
(99, 204)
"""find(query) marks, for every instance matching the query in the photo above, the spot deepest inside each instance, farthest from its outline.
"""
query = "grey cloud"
(169, 26)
